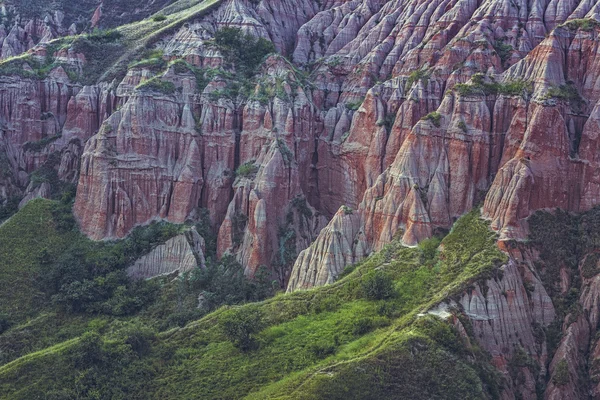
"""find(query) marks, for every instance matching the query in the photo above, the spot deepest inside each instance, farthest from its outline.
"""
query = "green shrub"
(463, 126)
(5, 323)
(241, 327)
(156, 84)
(246, 170)
(418, 75)
(585, 24)
(159, 18)
(503, 50)
(40, 144)
(224, 283)
(322, 350)
(378, 286)
(429, 249)
(347, 210)
(354, 105)
(244, 50)
(363, 326)
(482, 88)
(561, 374)
(9, 208)
(135, 334)
(434, 117)
(104, 36)
(589, 269)
(183, 67)
(564, 92)
(152, 60)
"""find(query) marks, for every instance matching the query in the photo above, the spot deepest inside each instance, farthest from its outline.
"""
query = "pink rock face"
(504, 315)
(513, 150)
(145, 163)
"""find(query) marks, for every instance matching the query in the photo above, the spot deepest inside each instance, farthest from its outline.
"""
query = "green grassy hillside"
(24, 239)
(357, 338)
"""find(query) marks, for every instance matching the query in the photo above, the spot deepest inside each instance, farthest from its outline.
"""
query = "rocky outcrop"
(514, 149)
(340, 243)
(508, 315)
(180, 254)
(144, 163)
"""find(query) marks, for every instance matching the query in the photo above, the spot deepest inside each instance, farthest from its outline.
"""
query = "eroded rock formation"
(377, 121)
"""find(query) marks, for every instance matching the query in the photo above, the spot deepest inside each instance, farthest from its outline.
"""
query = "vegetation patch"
(247, 170)
(504, 50)
(479, 87)
(157, 84)
(354, 105)
(245, 51)
(585, 24)
(422, 75)
(434, 117)
(321, 343)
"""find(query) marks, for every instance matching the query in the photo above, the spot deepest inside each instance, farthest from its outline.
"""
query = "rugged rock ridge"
(519, 146)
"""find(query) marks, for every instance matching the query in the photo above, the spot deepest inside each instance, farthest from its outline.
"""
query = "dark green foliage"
(245, 51)
(5, 323)
(40, 144)
(152, 60)
(89, 277)
(561, 374)
(429, 249)
(566, 92)
(585, 24)
(363, 326)
(156, 84)
(565, 241)
(16, 67)
(300, 204)
(347, 271)
(378, 286)
(159, 18)
(101, 49)
(202, 76)
(354, 105)
(418, 75)
(416, 368)
(135, 334)
(238, 222)
(48, 173)
(112, 294)
(225, 283)
(9, 208)
(589, 268)
(347, 210)
(322, 350)
(205, 229)
(503, 50)
(246, 170)
(479, 87)
(434, 117)
(240, 326)
(442, 333)
(520, 360)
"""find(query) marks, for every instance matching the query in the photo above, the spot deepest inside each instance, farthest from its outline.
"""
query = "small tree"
(378, 286)
(240, 327)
